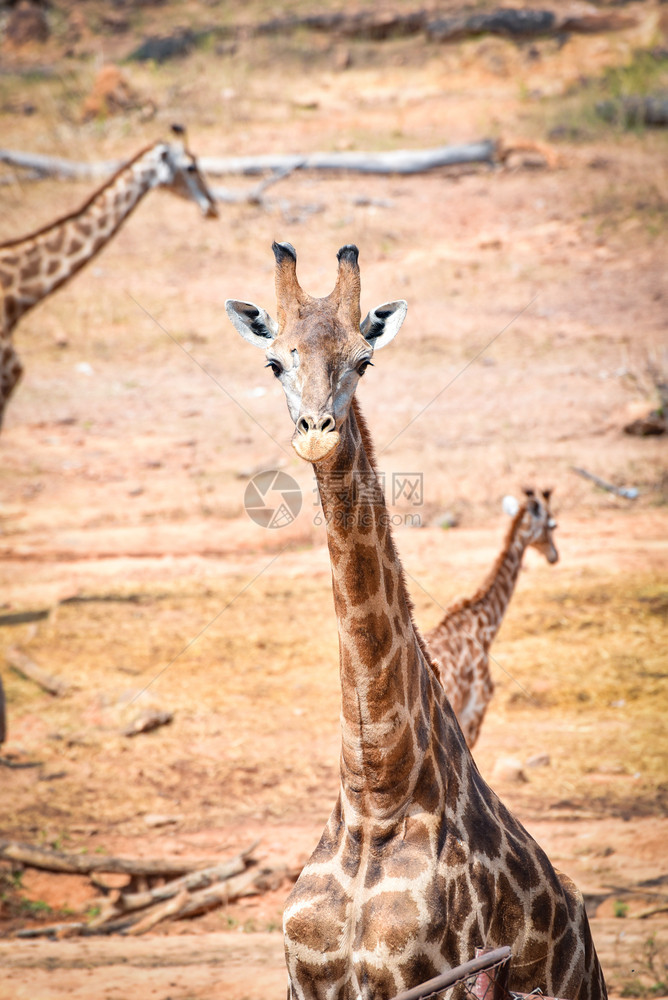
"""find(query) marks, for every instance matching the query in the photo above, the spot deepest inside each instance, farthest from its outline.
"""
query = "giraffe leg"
(11, 370)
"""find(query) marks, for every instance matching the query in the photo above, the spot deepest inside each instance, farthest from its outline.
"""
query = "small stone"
(156, 819)
(509, 769)
(538, 760)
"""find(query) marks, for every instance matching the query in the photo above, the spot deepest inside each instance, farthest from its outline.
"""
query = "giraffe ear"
(510, 505)
(382, 324)
(253, 323)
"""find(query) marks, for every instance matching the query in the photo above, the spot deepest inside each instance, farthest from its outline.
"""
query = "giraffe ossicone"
(34, 266)
(420, 862)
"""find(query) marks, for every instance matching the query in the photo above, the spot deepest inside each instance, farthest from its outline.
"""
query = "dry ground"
(535, 299)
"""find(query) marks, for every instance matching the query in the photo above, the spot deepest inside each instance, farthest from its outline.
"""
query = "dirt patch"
(535, 299)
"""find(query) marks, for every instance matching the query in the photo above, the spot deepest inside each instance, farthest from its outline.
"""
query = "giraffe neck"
(384, 680)
(33, 267)
(492, 600)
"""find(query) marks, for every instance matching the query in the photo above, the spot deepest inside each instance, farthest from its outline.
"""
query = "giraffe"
(420, 862)
(34, 266)
(459, 644)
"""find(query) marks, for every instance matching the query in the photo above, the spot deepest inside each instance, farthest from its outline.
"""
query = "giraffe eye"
(362, 367)
(191, 168)
(276, 368)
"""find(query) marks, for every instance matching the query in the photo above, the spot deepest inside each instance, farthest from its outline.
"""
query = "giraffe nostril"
(327, 423)
(304, 425)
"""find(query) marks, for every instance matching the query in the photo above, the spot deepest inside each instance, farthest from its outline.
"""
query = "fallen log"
(183, 905)
(399, 161)
(22, 664)
(84, 864)
(56, 166)
(201, 879)
(169, 908)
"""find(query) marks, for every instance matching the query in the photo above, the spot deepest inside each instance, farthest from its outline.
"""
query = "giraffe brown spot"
(372, 636)
(374, 868)
(54, 243)
(459, 896)
(521, 866)
(541, 911)
(482, 832)
(404, 857)
(362, 575)
(74, 246)
(560, 922)
(388, 768)
(427, 793)
(535, 952)
(328, 844)
(52, 267)
(31, 270)
(422, 731)
(561, 961)
(84, 228)
(319, 922)
(388, 581)
(6, 278)
(387, 690)
(483, 884)
(453, 852)
(12, 311)
(374, 981)
(450, 946)
(508, 914)
(476, 936)
(350, 856)
(390, 918)
(418, 969)
(316, 977)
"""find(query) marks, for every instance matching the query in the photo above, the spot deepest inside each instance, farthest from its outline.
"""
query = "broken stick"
(23, 665)
(83, 864)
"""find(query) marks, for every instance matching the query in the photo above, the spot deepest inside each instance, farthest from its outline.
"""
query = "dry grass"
(579, 672)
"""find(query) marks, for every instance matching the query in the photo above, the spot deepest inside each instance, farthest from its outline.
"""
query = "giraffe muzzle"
(314, 439)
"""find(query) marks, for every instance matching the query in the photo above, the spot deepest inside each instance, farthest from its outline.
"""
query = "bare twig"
(22, 664)
(627, 492)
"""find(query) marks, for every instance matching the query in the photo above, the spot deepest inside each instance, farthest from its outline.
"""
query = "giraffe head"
(536, 521)
(317, 348)
(177, 171)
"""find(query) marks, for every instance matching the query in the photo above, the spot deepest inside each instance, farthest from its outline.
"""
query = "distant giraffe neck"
(33, 267)
(490, 603)
(382, 657)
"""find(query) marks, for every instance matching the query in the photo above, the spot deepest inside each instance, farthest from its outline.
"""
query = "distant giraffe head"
(318, 348)
(178, 172)
(537, 523)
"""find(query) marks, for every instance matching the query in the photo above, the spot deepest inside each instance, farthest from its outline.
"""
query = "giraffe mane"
(467, 602)
(371, 455)
(82, 208)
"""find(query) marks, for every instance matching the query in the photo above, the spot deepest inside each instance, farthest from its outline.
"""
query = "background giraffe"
(36, 265)
(420, 862)
(460, 643)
